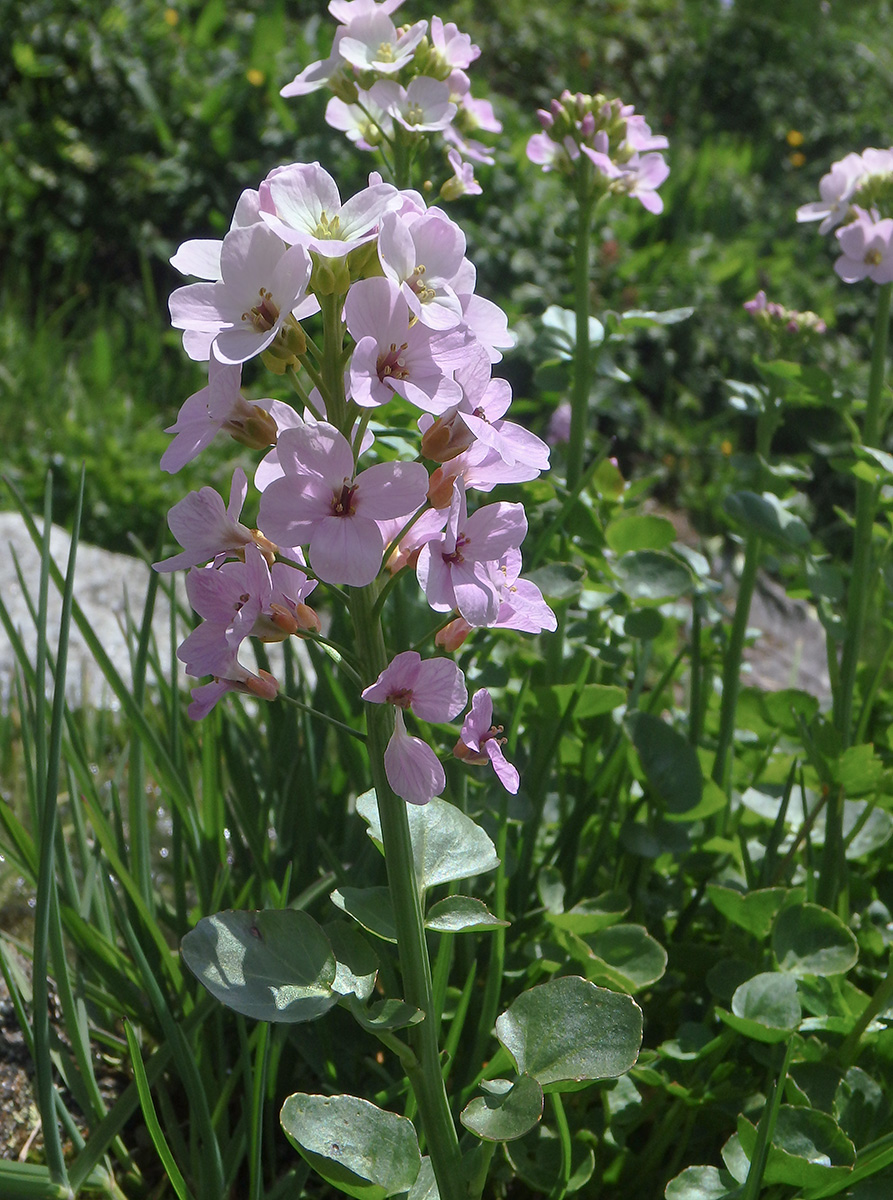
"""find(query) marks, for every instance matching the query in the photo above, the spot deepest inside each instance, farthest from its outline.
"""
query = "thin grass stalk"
(863, 574)
(46, 881)
(162, 1149)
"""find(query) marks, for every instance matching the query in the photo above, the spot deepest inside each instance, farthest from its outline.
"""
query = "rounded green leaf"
(384, 1014)
(639, 531)
(631, 953)
(461, 914)
(702, 1183)
(644, 623)
(652, 575)
(753, 911)
(808, 1148)
(505, 1113)
(559, 580)
(369, 907)
(356, 961)
(569, 1030)
(446, 845)
(770, 999)
(811, 940)
(360, 1149)
(591, 915)
(767, 516)
(670, 762)
(275, 965)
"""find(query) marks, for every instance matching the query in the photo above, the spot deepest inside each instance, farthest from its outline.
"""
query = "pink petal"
(346, 550)
(412, 767)
(439, 693)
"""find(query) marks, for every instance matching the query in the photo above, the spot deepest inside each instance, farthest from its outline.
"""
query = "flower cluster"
(612, 136)
(388, 281)
(857, 202)
(392, 85)
(776, 318)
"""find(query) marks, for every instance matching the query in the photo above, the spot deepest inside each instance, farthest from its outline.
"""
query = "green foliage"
(747, 908)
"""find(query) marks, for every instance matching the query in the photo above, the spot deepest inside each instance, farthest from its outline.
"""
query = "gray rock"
(110, 589)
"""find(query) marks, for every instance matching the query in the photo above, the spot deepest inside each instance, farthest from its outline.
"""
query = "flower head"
(867, 247)
(480, 742)
(434, 689)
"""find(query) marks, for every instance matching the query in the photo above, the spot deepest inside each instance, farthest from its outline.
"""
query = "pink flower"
(423, 106)
(837, 189)
(422, 255)
(462, 182)
(262, 283)
(454, 48)
(206, 530)
(435, 689)
(373, 43)
(456, 568)
(220, 405)
(479, 742)
(318, 501)
(867, 250)
(309, 212)
(392, 356)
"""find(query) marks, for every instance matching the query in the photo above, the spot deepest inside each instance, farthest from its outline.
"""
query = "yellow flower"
(726, 447)
(796, 159)
(171, 17)
(255, 77)
(794, 137)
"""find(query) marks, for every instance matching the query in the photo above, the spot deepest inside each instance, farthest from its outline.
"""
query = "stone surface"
(108, 587)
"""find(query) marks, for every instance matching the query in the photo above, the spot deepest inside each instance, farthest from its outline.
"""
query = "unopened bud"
(263, 685)
(307, 619)
(452, 636)
(330, 276)
(440, 488)
(363, 262)
(447, 437)
(255, 428)
(268, 549)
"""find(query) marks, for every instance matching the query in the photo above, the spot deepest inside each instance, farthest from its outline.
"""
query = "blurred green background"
(127, 129)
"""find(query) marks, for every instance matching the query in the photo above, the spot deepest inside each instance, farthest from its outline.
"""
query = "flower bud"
(447, 437)
(252, 426)
(363, 262)
(440, 488)
(267, 548)
(343, 85)
(452, 636)
(263, 685)
(307, 619)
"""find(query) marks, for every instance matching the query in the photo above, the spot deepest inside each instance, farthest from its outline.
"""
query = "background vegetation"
(126, 129)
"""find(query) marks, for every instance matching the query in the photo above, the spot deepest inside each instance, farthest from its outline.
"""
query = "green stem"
(576, 451)
(722, 765)
(754, 1182)
(426, 1079)
(331, 374)
(849, 1047)
(767, 423)
(559, 1191)
(863, 574)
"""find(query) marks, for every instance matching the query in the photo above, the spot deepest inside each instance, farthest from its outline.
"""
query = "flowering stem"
(576, 450)
(426, 1079)
(767, 423)
(331, 382)
(863, 576)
